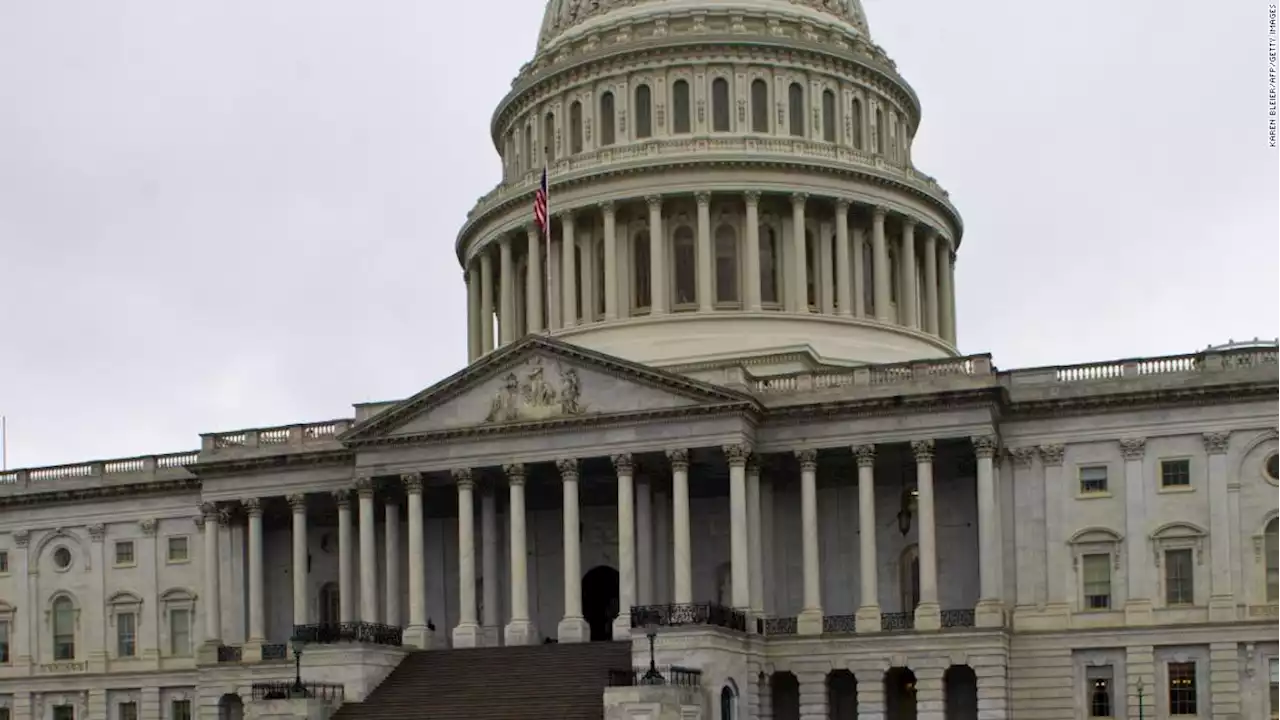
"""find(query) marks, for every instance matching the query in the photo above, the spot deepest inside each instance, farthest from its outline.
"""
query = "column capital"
(679, 459)
(908, 223)
(808, 458)
(865, 455)
(566, 216)
(923, 450)
(568, 468)
(199, 521)
(1215, 443)
(364, 486)
(463, 477)
(798, 199)
(412, 482)
(606, 207)
(97, 532)
(702, 197)
(531, 229)
(624, 464)
(148, 528)
(752, 197)
(878, 212)
(1052, 454)
(504, 239)
(209, 511)
(985, 446)
(252, 506)
(515, 473)
(654, 201)
(343, 498)
(1023, 456)
(1133, 448)
(737, 454)
(842, 204)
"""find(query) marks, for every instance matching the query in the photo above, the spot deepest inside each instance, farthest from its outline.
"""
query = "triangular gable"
(540, 379)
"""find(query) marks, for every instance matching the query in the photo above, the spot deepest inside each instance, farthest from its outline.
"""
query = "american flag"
(540, 207)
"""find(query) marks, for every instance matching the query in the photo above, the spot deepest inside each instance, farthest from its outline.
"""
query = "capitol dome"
(735, 180)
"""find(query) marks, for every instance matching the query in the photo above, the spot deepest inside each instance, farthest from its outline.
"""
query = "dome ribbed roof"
(562, 16)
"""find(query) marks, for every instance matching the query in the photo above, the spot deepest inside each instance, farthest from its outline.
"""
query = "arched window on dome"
(828, 116)
(811, 268)
(868, 280)
(726, 264)
(1272, 551)
(607, 133)
(880, 131)
(686, 270)
(795, 102)
(903, 138)
(680, 107)
(893, 275)
(640, 265)
(644, 112)
(829, 272)
(548, 138)
(575, 128)
(855, 114)
(599, 288)
(720, 105)
(768, 265)
(891, 136)
(526, 158)
(759, 106)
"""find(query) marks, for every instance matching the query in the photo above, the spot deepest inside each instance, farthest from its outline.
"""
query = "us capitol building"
(724, 410)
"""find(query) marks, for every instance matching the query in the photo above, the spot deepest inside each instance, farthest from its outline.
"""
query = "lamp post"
(298, 689)
(652, 677)
(1141, 709)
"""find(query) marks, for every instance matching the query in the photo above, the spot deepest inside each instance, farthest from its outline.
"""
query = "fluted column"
(799, 256)
(755, 540)
(506, 292)
(946, 301)
(1221, 602)
(568, 271)
(682, 553)
(298, 509)
(810, 619)
(739, 551)
(416, 634)
(474, 325)
(880, 266)
(535, 280)
(907, 293)
(391, 550)
(931, 281)
(520, 630)
(573, 628)
(625, 468)
(844, 284)
(257, 607)
(868, 619)
(706, 296)
(486, 301)
(610, 261)
(467, 633)
(928, 614)
(1137, 607)
(751, 288)
(368, 551)
(657, 258)
(990, 608)
(212, 590)
(490, 620)
(346, 591)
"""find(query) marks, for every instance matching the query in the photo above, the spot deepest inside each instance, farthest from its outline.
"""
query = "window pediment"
(178, 598)
(7, 611)
(1177, 536)
(1096, 536)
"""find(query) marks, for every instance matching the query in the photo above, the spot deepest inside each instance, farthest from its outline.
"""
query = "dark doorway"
(900, 694)
(960, 685)
(600, 601)
(230, 707)
(842, 695)
(785, 690)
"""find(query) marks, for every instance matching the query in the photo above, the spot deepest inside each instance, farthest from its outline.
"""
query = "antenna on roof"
(4, 444)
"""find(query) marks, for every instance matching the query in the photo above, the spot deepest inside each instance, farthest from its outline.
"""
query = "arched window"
(548, 138)
(599, 289)
(720, 105)
(640, 256)
(828, 116)
(811, 268)
(728, 703)
(868, 279)
(509, 151)
(795, 100)
(768, 265)
(902, 140)
(606, 119)
(726, 264)
(330, 604)
(1273, 560)
(855, 114)
(644, 112)
(759, 106)
(580, 300)
(880, 131)
(64, 629)
(680, 107)
(893, 275)
(686, 266)
(575, 127)
(526, 161)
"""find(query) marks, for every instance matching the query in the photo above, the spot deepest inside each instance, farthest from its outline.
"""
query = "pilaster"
(1224, 681)
(930, 694)
(1222, 603)
(1140, 671)
(870, 687)
(813, 690)
(1137, 608)
(992, 673)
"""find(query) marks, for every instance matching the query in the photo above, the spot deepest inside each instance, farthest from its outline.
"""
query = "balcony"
(688, 614)
(350, 632)
(893, 622)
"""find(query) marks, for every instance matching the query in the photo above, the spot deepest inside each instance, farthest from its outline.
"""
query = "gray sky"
(236, 213)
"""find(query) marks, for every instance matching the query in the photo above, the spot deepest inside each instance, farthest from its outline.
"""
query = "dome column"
(486, 302)
(534, 282)
(844, 286)
(506, 292)
(610, 288)
(880, 265)
(930, 281)
(799, 265)
(657, 258)
(907, 299)
(752, 285)
(946, 302)
(568, 272)
(705, 295)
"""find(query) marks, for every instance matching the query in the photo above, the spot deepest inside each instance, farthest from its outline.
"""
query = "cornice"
(283, 461)
(1141, 400)
(991, 398)
(101, 492)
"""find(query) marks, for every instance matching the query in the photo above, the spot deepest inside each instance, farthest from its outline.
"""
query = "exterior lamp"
(906, 509)
(652, 677)
(298, 689)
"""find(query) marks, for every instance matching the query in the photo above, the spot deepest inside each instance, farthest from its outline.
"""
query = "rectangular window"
(128, 711)
(1093, 479)
(1179, 586)
(1275, 687)
(1175, 473)
(124, 552)
(126, 634)
(180, 633)
(4, 642)
(1097, 581)
(64, 712)
(4, 562)
(1182, 688)
(1099, 682)
(4, 713)
(181, 710)
(178, 549)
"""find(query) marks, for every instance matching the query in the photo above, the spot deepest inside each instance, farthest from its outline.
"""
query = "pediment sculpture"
(534, 393)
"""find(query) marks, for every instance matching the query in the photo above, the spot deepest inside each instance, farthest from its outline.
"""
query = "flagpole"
(4, 443)
(546, 232)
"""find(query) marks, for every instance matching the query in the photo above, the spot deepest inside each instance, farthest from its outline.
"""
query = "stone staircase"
(535, 682)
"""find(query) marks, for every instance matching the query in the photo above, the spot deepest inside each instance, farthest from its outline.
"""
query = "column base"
(420, 637)
(519, 632)
(491, 635)
(868, 619)
(928, 617)
(1138, 612)
(467, 635)
(98, 660)
(207, 653)
(809, 622)
(1222, 609)
(622, 626)
(573, 630)
(988, 614)
(251, 652)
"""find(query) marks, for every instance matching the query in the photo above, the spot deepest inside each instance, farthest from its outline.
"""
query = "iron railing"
(357, 632)
(291, 690)
(672, 675)
(275, 651)
(688, 614)
(957, 618)
(839, 624)
(776, 626)
(890, 622)
(230, 653)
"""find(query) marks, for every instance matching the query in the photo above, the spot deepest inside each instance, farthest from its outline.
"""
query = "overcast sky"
(229, 213)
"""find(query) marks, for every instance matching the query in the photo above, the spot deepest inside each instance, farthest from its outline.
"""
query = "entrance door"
(600, 601)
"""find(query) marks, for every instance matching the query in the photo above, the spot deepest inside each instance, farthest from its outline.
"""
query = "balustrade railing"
(289, 690)
(836, 624)
(776, 626)
(230, 653)
(672, 675)
(889, 622)
(677, 615)
(355, 632)
(957, 618)
(275, 651)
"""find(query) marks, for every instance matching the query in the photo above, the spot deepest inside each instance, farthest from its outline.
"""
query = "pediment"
(540, 381)
(1096, 535)
(1175, 530)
